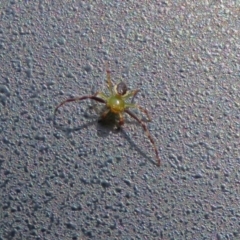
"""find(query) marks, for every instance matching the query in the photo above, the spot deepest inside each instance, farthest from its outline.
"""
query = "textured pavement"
(78, 179)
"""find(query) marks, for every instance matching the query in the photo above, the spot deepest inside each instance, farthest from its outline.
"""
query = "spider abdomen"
(116, 104)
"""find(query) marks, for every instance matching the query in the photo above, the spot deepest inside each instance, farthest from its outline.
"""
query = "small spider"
(117, 104)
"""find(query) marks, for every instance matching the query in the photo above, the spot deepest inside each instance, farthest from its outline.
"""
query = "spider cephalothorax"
(117, 103)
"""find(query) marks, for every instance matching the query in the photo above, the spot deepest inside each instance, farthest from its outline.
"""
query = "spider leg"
(134, 93)
(105, 113)
(144, 126)
(93, 97)
(131, 93)
(109, 82)
(143, 110)
(121, 120)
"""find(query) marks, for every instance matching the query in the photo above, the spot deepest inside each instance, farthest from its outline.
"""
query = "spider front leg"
(93, 97)
(134, 93)
(144, 126)
(109, 82)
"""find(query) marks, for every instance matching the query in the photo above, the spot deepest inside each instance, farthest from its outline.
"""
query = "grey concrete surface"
(79, 179)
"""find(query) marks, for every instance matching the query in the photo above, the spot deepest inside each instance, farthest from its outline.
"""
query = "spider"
(116, 103)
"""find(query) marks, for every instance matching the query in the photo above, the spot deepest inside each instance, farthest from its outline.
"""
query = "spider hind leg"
(144, 126)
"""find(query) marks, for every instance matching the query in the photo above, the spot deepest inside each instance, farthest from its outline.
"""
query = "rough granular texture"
(78, 179)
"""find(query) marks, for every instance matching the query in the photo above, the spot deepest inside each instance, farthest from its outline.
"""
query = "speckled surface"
(83, 180)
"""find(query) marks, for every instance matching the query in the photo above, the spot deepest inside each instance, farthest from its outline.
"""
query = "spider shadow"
(104, 128)
(73, 129)
(137, 148)
(109, 125)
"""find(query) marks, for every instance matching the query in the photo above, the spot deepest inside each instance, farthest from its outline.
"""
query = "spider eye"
(121, 88)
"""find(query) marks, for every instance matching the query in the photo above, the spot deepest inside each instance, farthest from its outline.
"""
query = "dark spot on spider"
(121, 88)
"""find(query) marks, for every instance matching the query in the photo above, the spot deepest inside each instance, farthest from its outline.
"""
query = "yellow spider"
(116, 103)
